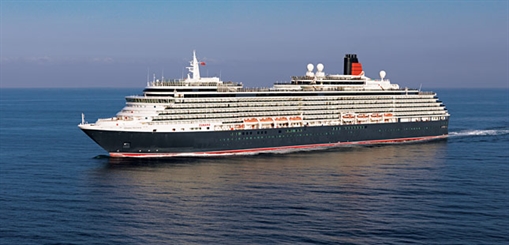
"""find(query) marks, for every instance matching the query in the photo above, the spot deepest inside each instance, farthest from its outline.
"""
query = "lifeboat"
(348, 116)
(267, 119)
(295, 118)
(388, 115)
(362, 117)
(376, 117)
(284, 119)
(250, 120)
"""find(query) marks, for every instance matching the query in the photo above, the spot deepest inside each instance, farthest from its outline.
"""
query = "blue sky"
(436, 44)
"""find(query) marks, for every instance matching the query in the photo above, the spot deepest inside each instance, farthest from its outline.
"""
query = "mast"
(195, 67)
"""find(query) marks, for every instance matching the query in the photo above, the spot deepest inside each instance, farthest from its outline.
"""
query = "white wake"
(471, 132)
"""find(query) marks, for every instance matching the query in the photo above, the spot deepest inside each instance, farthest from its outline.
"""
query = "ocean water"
(57, 186)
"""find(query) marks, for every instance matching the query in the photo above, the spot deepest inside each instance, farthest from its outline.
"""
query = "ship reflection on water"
(345, 162)
(355, 153)
(347, 189)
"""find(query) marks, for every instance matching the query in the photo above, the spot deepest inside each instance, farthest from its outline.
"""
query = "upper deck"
(311, 81)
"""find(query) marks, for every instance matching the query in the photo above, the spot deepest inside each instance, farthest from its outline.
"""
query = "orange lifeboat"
(376, 117)
(362, 117)
(348, 117)
(267, 119)
(282, 119)
(387, 115)
(296, 118)
(250, 120)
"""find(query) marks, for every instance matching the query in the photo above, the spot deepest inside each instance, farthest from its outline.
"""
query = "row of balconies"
(425, 106)
(284, 104)
(300, 98)
(319, 113)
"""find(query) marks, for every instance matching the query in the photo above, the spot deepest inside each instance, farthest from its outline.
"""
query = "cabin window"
(126, 145)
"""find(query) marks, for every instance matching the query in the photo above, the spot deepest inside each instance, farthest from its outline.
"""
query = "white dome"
(319, 67)
(311, 67)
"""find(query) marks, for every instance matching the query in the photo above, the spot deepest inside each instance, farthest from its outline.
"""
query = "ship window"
(126, 145)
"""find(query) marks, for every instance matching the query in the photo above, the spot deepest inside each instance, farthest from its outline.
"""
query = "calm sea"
(57, 186)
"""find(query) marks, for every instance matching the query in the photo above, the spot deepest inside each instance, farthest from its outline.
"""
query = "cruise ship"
(204, 116)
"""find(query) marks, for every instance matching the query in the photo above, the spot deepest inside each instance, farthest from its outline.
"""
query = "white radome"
(319, 67)
(310, 67)
(382, 74)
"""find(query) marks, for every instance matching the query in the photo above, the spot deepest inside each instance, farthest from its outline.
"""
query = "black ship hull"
(211, 143)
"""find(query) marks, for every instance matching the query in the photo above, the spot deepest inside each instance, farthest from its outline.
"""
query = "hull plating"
(235, 142)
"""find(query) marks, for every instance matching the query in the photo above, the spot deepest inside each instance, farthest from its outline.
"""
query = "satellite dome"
(319, 67)
(382, 74)
(311, 67)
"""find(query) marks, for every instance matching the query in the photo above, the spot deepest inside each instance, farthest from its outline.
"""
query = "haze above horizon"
(440, 44)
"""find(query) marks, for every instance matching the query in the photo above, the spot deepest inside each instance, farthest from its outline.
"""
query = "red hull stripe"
(275, 149)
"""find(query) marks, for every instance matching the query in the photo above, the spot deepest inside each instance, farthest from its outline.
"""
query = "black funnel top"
(347, 63)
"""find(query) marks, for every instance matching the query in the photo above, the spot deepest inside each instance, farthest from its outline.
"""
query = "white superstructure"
(316, 99)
